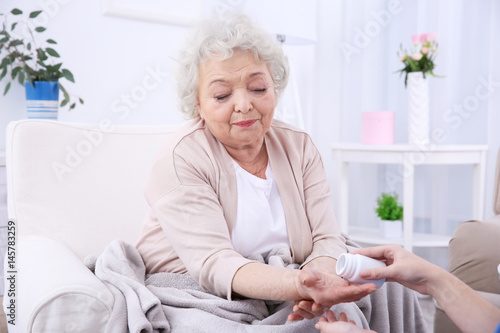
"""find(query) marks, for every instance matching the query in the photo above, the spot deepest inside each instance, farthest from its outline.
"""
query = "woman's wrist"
(443, 286)
(298, 288)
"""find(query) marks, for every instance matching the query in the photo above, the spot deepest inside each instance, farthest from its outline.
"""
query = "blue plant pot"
(42, 99)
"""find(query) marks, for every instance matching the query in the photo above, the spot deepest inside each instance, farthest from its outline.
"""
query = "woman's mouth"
(245, 123)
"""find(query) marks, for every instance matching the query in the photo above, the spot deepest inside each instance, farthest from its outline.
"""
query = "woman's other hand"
(330, 324)
(307, 310)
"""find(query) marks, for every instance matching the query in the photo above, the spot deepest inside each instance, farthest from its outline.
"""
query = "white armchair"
(72, 189)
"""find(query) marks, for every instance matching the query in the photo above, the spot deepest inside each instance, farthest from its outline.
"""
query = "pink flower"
(421, 58)
(415, 38)
(431, 36)
(423, 38)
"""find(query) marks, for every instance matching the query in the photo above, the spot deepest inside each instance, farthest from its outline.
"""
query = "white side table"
(409, 156)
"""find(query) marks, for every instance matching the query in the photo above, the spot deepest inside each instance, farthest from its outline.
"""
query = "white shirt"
(260, 221)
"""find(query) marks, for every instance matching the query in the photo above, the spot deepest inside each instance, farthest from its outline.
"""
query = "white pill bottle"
(350, 265)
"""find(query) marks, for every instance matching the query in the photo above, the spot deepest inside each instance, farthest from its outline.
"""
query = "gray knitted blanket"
(166, 302)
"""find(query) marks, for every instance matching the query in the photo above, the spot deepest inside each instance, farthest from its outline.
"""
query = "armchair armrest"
(53, 291)
(475, 263)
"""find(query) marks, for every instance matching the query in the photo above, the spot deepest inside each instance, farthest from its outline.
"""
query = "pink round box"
(377, 127)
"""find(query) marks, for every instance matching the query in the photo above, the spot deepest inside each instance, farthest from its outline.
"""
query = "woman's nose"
(242, 102)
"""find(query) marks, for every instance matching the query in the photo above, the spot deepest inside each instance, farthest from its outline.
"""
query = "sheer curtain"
(357, 71)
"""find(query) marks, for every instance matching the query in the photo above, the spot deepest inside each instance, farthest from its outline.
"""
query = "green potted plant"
(33, 64)
(390, 213)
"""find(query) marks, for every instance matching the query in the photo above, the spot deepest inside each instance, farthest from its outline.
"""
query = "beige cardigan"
(193, 198)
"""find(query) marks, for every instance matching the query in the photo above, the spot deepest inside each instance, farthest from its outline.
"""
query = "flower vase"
(42, 99)
(391, 229)
(418, 108)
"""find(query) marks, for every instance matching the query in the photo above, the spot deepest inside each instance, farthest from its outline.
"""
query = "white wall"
(112, 60)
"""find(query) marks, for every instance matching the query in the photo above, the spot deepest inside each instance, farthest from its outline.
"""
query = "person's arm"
(268, 282)
(469, 311)
(466, 308)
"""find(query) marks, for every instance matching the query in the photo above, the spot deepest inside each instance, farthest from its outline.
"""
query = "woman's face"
(236, 99)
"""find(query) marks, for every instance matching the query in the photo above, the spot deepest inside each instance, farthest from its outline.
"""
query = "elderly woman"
(234, 183)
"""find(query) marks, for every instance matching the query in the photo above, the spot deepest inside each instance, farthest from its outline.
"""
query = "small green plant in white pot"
(390, 213)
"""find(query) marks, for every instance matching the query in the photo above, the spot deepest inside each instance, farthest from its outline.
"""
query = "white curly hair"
(219, 38)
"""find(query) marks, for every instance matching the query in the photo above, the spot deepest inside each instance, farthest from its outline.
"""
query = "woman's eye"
(221, 97)
(259, 90)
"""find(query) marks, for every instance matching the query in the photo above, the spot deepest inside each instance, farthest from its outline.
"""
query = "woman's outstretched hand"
(320, 290)
(330, 324)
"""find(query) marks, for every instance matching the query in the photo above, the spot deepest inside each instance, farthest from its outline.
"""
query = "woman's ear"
(199, 110)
